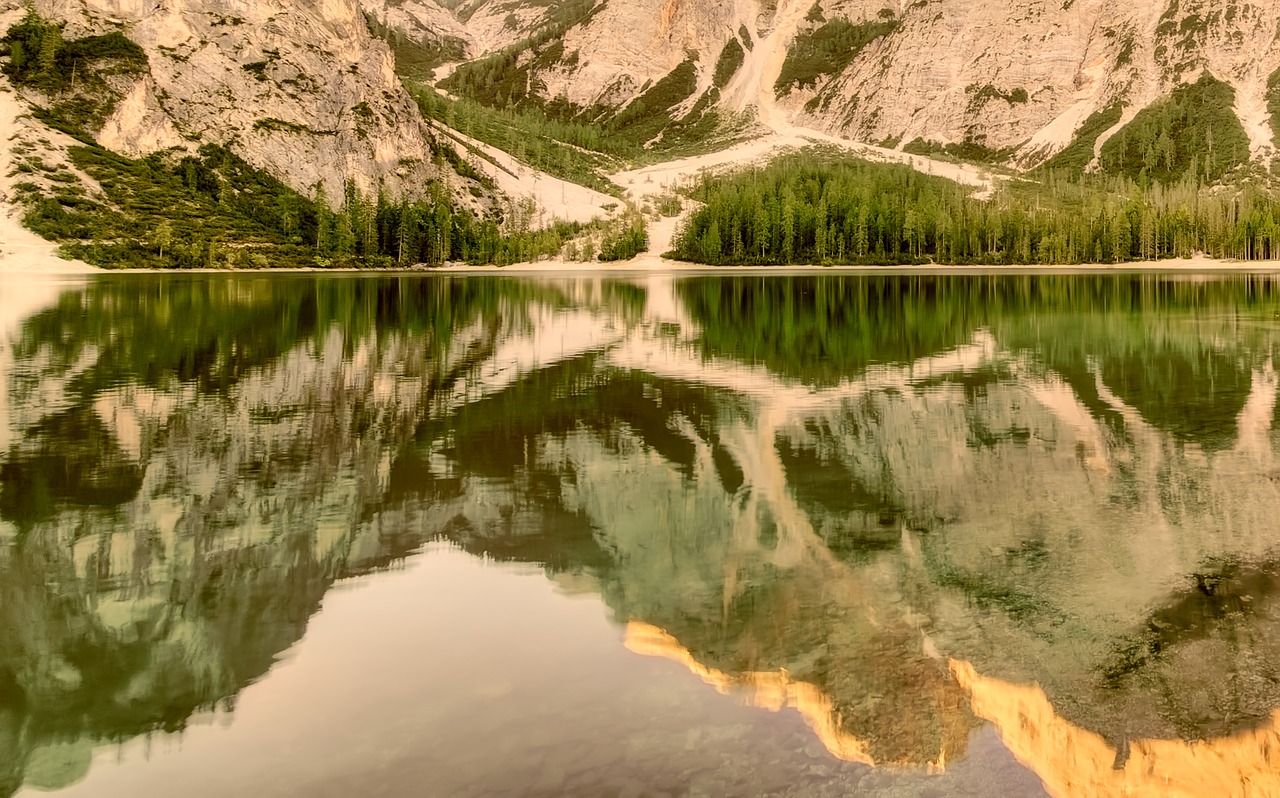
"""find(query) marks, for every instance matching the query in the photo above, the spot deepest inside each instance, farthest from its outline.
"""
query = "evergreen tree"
(50, 44)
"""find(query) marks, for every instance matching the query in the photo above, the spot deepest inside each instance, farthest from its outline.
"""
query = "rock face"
(1018, 79)
(1030, 74)
(298, 88)
(494, 24)
(304, 90)
(428, 23)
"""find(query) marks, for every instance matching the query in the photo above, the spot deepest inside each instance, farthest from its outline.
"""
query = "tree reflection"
(847, 481)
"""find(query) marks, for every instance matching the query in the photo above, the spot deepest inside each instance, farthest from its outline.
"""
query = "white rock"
(324, 106)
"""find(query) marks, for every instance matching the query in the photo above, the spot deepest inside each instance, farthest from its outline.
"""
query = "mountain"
(305, 91)
(299, 89)
(497, 107)
(1019, 83)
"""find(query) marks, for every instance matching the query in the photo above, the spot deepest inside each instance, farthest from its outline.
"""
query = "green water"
(643, 535)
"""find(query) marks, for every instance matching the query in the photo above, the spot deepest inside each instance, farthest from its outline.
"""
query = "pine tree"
(50, 44)
(820, 229)
(788, 229)
(860, 236)
(711, 244)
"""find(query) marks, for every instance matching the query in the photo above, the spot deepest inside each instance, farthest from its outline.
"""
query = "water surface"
(653, 535)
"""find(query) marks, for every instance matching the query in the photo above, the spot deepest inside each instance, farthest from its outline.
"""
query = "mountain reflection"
(902, 506)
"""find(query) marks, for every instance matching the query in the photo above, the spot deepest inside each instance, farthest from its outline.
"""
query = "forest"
(213, 210)
(819, 207)
(1194, 131)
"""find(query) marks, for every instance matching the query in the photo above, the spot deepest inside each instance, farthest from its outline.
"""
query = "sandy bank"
(20, 249)
(650, 264)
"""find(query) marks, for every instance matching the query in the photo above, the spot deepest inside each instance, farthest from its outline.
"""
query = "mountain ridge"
(299, 89)
(1015, 86)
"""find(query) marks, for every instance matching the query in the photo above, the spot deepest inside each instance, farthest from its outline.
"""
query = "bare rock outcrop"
(298, 88)
(1018, 80)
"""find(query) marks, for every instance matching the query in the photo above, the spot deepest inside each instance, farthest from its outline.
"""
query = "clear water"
(645, 535)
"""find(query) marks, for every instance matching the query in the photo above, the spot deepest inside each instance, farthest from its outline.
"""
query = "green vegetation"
(1125, 56)
(1079, 153)
(74, 74)
(819, 207)
(973, 150)
(414, 59)
(258, 69)
(1184, 36)
(651, 112)
(1273, 105)
(648, 127)
(727, 65)
(173, 211)
(826, 51)
(627, 241)
(215, 211)
(1193, 132)
(274, 125)
(495, 101)
(572, 151)
(668, 205)
(981, 95)
(505, 79)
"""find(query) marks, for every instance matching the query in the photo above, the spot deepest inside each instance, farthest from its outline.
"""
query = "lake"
(650, 534)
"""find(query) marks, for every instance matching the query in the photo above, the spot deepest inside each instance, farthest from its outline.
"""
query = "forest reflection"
(903, 505)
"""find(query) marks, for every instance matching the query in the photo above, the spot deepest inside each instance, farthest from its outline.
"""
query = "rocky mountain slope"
(1016, 82)
(310, 91)
(300, 89)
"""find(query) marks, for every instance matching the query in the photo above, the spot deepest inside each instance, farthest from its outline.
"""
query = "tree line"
(213, 210)
(377, 230)
(817, 207)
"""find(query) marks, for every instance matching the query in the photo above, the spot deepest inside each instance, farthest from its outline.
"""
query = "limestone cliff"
(1016, 81)
(298, 88)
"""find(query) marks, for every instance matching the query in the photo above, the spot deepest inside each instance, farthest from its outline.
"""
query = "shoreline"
(44, 265)
(648, 265)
